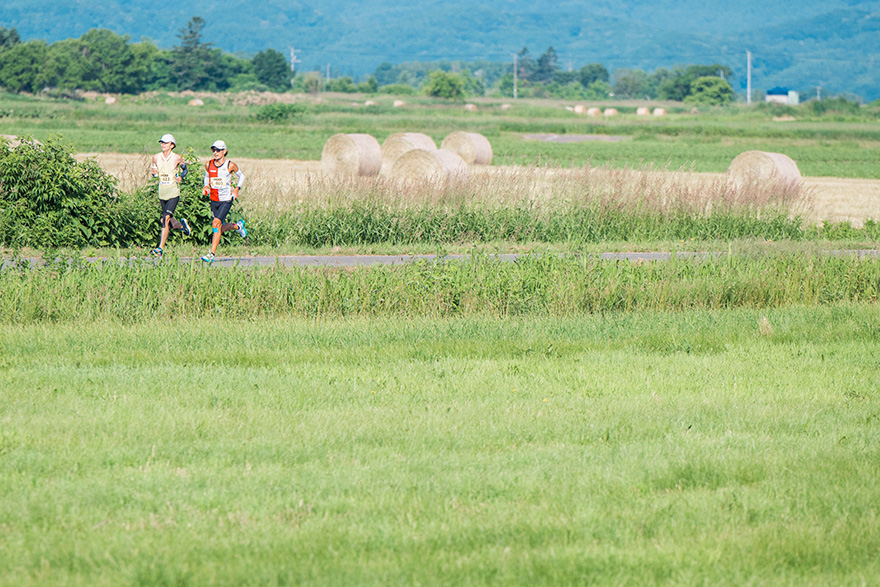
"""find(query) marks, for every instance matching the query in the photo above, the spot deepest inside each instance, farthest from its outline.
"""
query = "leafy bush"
(48, 199)
(397, 90)
(280, 112)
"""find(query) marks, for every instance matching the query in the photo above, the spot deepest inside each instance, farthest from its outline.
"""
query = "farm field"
(723, 447)
(560, 419)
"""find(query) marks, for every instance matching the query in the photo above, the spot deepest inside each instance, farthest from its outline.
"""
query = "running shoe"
(209, 258)
(241, 229)
(186, 231)
(157, 252)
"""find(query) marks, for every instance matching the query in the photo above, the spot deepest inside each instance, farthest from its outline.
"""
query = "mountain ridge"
(803, 45)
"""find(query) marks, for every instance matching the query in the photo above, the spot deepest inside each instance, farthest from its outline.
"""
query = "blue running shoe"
(157, 252)
(209, 258)
(241, 229)
(186, 231)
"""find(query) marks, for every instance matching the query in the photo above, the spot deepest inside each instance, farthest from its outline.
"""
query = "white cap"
(167, 139)
(219, 145)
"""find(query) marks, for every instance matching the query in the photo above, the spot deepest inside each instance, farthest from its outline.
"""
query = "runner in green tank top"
(170, 168)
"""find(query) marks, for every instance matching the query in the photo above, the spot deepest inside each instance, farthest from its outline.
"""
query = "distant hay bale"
(110, 100)
(473, 147)
(351, 155)
(659, 112)
(369, 103)
(610, 112)
(470, 107)
(398, 103)
(594, 112)
(506, 106)
(196, 102)
(760, 166)
(643, 111)
(580, 109)
(432, 165)
(402, 142)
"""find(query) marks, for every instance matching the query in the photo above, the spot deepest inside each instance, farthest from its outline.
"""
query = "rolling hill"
(832, 44)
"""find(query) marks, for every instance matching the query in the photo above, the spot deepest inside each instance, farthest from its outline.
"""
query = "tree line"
(103, 61)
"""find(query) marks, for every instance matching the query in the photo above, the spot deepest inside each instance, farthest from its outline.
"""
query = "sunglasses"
(215, 149)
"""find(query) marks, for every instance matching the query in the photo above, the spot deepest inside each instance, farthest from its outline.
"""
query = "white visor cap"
(167, 139)
(219, 145)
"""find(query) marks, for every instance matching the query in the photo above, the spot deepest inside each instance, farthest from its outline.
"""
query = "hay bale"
(580, 109)
(196, 102)
(594, 112)
(402, 142)
(110, 100)
(761, 166)
(398, 103)
(351, 155)
(473, 147)
(659, 112)
(609, 112)
(431, 165)
(506, 106)
(643, 111)
(370, 103)
(470, 107)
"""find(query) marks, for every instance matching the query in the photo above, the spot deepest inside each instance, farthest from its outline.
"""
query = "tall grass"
(136, 291)
(530, 204)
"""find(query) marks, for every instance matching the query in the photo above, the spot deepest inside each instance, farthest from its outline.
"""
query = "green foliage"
(711, 91)
(21, 65)
(280, 112)
(343, 84)
(47, 199)
(442, 84)
(271, 68)
(397, 90)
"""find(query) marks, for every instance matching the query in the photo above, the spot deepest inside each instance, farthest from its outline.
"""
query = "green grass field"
(842, 146)
(615, 449)
(559, 420)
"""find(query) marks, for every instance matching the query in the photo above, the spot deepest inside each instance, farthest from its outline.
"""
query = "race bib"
(217, 182)
(166, 179)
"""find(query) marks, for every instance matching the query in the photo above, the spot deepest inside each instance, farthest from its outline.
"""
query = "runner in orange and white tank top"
(220, 188)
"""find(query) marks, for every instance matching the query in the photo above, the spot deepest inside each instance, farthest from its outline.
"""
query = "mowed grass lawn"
(706, 447)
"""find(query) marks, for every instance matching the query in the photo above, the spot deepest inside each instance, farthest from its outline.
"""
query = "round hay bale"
(351, 155)
(470, 107)
(369, 103)
(196, 102)
(473, 147)
(402, 142)
(432, 165)
(610, 112)
(594, 112)
(398, 103)
(659, 111)
(506, 106)
(643, 111)
(761, 166)
(580, 109)
(110, 100)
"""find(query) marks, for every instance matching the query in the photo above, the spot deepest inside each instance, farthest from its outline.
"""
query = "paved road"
(368, 260)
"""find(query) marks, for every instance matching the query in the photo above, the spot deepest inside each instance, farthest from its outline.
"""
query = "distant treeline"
(103, 61)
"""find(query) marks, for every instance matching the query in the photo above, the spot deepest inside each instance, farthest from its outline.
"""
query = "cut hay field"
(831, 199)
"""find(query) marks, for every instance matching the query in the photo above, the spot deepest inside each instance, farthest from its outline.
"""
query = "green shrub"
(279, 112)
(48, 199)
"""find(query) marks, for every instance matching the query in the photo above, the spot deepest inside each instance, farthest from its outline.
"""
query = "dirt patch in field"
(833, 199)
(550, 138)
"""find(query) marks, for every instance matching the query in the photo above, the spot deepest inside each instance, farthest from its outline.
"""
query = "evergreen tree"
(271, 69)
(192, 59)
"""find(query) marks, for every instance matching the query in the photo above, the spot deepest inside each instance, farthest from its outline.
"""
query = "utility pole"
(328, 72)
(293, 62)
(818, 93)
(514, 76)
(749, 77)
